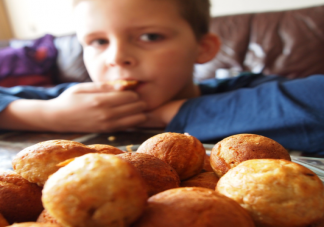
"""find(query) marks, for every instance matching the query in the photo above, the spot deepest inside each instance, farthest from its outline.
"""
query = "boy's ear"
(208, 47)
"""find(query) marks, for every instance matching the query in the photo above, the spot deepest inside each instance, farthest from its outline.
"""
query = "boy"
(156, 43)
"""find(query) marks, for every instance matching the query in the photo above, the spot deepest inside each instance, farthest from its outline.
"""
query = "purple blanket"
(36, 59)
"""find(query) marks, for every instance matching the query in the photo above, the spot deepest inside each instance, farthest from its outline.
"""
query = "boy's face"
(143, 40)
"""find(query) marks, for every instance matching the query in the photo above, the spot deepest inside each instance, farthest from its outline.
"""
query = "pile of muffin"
(248, 180)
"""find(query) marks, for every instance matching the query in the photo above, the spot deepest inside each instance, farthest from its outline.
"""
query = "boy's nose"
(120, 56)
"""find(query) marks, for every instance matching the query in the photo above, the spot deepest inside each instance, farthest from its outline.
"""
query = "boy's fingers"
(114, 99)
(128, 122)
(128, 109)
(90, 87)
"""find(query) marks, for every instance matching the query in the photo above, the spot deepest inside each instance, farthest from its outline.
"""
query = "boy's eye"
(149, 37)
(99, 42)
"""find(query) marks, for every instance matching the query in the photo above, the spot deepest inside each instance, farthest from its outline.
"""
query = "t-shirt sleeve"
(8, 95)
(290, 112)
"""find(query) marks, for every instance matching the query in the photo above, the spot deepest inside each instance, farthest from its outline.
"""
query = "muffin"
(45, 217)
(105, 149)
(192, 207)
(34, 224)
(207, 167)
(275, 192)
(204, 180)
(157, 174)
(20, 200)
(36, 163)
(95, 190)
(3, 221)
(183, 152)
(235, 149)
(124, 84)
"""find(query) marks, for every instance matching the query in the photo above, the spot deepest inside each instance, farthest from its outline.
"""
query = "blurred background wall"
(33, 18)
(5, 27)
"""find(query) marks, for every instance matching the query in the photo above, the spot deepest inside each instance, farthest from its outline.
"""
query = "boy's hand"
(162, 116)
(86, 107)
(90, 107)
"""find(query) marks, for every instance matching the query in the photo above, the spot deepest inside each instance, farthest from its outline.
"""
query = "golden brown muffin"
(3, 221)
(319, 223)
(45, 217)
(34, 224)
(183, 152)
(37, 162)
(95, 190)
(20, 200)
(105, 149)
(157, 174)
(193, 207)
(125, 84)
(204, 180)
(207, 167)
(235, 149)
(275, 192)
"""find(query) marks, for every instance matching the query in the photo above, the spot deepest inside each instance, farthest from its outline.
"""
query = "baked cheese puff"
(34, 224)
(319, 223)
(105, 149)
(124, 84)
(204, 180)
(183, 152)
(3, 221)
(20, 200)
(207, 167)
(95, 190)
(45, 217)
(157, 174)
(235, 149)
(36, 163)
(275, 192)
(193, 207)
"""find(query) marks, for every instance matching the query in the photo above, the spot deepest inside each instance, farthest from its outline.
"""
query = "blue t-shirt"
(290, 112)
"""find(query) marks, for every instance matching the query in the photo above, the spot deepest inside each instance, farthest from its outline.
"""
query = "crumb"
(111, 138)
(129, 148)
(64, 163)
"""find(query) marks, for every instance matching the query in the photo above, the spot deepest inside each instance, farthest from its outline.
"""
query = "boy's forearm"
(24, 114)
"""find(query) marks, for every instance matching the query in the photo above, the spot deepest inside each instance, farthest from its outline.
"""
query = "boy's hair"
(195, 12)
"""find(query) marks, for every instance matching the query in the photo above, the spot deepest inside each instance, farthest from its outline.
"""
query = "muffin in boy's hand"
(275, 192)
(123, 84)
(235, 149)
(95, 190)
(183, 152)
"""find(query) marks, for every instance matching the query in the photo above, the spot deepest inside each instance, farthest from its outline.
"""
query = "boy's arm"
(86, 107)
(289, 112)
(163, 115)
(24, 114)
(20, 100)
